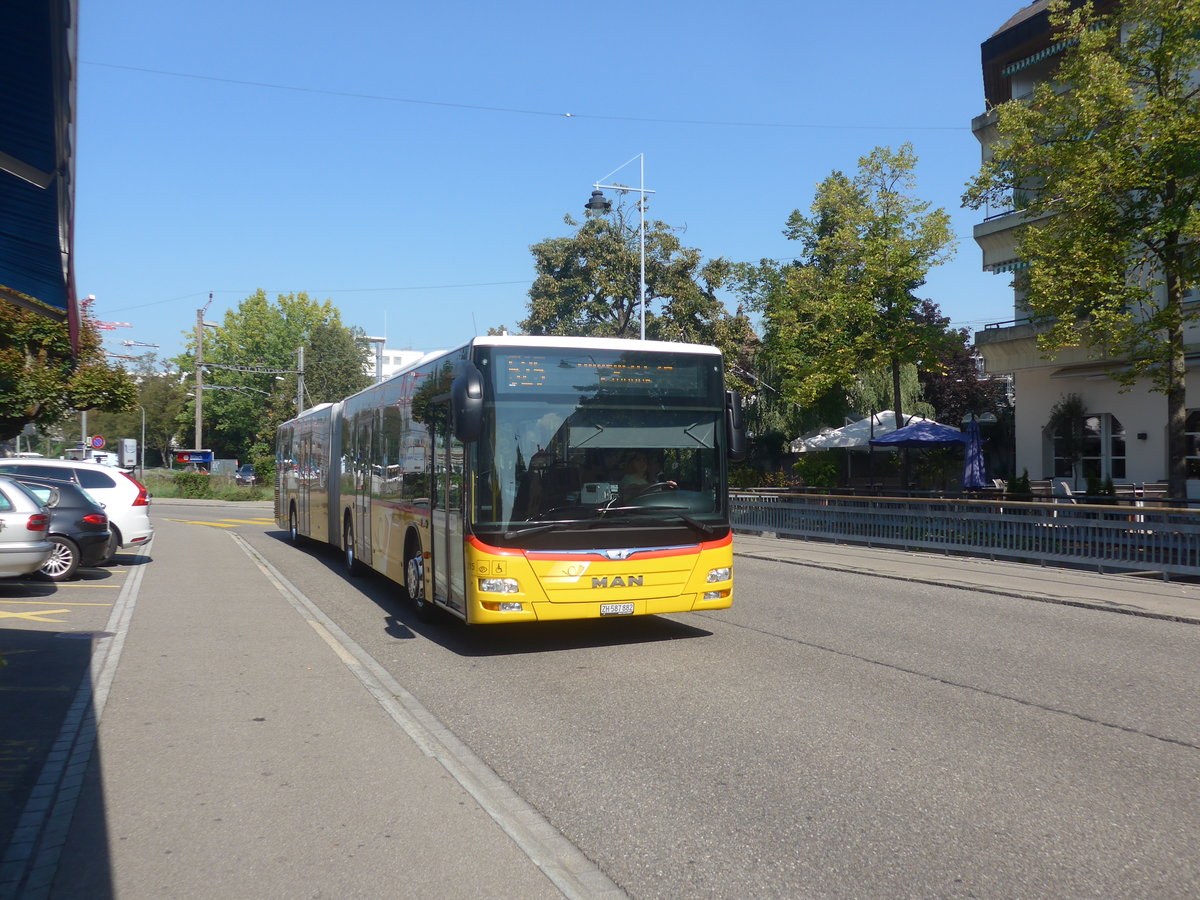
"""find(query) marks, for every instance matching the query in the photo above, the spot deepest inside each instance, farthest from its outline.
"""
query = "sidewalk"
(1144, 595)
(237, 754)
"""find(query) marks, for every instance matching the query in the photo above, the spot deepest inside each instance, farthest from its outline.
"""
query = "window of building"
(1101, 449)
(1192, 436)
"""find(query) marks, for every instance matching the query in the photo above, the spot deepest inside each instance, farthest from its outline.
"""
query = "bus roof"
(590, 343)
(536, 341)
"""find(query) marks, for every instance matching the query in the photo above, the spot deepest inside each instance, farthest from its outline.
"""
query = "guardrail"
(1109, 538)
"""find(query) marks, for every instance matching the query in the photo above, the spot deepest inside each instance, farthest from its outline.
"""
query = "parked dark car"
(245, 475)
(79, 529)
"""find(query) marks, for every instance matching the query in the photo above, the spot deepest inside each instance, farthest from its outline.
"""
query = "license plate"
(616, 609)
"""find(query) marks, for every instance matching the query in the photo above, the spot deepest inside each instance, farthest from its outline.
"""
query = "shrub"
(195, 485)
(817, 470)
(1019, 488)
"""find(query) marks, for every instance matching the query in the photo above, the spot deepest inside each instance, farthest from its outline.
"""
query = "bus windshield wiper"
(676, 511)
(529, 528)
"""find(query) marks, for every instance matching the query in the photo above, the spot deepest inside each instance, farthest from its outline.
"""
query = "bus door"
(449, 583)
(360, 503)
(303, 467)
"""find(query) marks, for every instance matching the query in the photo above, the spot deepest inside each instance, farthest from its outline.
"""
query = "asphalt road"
(833, 735)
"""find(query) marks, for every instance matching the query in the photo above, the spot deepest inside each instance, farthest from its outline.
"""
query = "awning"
(1036, 58)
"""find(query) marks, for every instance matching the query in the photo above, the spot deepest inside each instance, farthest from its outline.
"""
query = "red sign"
(97, 443)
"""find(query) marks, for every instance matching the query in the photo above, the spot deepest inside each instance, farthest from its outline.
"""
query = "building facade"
(1125, 434)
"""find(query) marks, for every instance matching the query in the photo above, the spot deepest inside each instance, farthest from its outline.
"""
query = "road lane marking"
(35, 615)
(223, 523)
(547, 848)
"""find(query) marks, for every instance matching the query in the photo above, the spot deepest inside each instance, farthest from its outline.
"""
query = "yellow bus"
(521, 479)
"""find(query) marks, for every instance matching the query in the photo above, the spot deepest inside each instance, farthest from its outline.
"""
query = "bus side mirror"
(734, 426)
(466, 403)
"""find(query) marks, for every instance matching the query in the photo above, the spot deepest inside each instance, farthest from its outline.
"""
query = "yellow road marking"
(89, 587)
(224, 523)
(43, 603)
(38, 616)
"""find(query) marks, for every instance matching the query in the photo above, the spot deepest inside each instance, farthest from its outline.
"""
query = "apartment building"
(1125, 430)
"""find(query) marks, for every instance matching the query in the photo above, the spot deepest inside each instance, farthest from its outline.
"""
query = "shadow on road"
(49, 763)
(400, 620)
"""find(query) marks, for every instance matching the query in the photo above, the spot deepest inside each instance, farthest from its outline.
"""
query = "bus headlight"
(499, 585)
(722, 574)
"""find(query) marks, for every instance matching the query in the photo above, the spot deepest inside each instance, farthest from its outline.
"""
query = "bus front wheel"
(414, 581)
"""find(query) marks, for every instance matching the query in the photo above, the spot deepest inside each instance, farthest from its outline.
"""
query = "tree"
(847, 306)
(251, 361)
(1066, 427)
(40, 378)
(1107, 176)
(587, 285)
(162, 395)
(334, 362)
(875, 390)
(950, 382)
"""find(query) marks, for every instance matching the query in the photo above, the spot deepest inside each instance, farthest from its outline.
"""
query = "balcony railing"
(1107, 538)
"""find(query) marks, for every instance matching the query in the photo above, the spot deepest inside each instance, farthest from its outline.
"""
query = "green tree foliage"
(873, 391)
(950, 382)
(847, 305)
(587, 285)
(242, 408)
(1107, 175)
(163, 396)
(334, 361)
(40, 380)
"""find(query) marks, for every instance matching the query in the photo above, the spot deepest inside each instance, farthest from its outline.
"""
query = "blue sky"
(400, 158)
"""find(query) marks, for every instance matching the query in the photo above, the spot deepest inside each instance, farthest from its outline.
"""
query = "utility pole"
(200, 372)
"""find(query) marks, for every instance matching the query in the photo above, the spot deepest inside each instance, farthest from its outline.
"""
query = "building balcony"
(1012, 346)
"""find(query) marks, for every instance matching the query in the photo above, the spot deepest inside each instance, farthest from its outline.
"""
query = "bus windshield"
(598, 441)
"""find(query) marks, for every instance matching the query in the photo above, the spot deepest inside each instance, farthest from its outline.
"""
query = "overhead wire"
(479, 107)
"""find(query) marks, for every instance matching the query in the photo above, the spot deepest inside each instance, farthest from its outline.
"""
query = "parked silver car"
(24, 523)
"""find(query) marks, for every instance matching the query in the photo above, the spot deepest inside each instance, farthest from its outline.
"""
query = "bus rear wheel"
(349, 559)
(293, 526)
(414, 581)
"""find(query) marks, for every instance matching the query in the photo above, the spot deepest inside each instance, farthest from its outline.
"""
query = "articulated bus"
(520, 479)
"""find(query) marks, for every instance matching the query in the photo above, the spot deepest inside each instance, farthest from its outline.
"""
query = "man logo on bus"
(618, 581)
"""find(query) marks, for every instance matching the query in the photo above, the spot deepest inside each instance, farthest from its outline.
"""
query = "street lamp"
(599, 204)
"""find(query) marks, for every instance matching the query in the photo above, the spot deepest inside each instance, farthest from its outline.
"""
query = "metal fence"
(1108, 538)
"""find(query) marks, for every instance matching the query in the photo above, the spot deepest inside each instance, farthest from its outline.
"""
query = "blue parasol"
(974, 470)
(921, 434)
